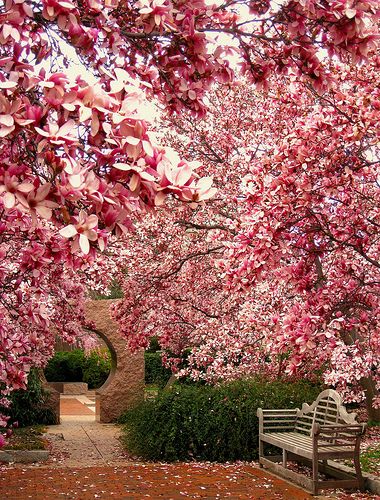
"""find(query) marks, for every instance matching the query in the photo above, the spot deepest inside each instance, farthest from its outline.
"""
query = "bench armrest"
(351, 429)
(342, 435)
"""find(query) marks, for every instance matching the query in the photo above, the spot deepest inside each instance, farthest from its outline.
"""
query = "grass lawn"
(370, 450)
(370, 460)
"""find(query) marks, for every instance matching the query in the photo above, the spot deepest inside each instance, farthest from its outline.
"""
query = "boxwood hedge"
(207, 423)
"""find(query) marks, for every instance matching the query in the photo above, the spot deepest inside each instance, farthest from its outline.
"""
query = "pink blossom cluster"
(294, 289)
(308, 241)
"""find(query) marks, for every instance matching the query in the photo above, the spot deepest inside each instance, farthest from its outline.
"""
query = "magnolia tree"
(297, 290)
(308, 243)
(78, 163)
(172, 287)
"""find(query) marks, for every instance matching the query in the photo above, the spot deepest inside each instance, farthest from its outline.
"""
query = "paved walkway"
(138, 481)
(80, 440)
(88, 462)
(76, 406)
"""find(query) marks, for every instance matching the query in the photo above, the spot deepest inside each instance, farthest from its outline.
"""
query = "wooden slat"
(306, 418)
(303, 445)
(340, 427)
(304, 481)
(284, 421)
(285, 410)
(338, 483)
(327, 404)
(322, 415)
(298, 448)
(278, 427)
(276, 415)
(328, 408)
(325, 416)
(283, 439)
(336, 442)
(336, 451)
(345, 438)
(302, 429)
(294, 477)
(329, 415)
(293, 437)
(281, 422)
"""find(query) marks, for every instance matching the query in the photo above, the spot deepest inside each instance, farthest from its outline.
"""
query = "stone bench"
(70, 388)
(318, 433)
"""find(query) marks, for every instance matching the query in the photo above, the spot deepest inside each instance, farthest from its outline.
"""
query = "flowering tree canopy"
(309, 234)
(78, 162)
(282, 276)
(172, 287)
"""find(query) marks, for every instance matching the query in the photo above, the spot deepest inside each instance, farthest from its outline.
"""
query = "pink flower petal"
(84, 244)
(9, 200)
(68, 231)
(44, 212)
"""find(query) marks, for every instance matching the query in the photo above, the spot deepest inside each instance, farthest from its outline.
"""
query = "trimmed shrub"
(66, 366)
(96, 369)
(75, 366)
(154, 345)
(155, 373)
(29, 407)
(207, 423)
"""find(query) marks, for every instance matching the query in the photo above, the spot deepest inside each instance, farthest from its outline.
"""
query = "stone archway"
(124, 387)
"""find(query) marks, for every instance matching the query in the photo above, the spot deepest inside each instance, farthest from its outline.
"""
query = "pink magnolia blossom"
(36, 202)
(11, 187)
(83, 231)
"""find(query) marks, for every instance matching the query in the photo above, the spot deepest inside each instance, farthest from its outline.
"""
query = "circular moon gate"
(124, 387)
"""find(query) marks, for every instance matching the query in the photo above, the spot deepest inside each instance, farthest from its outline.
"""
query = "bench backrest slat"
(327, 409)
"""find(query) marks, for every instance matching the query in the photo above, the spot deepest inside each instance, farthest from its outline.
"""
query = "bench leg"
(261, 452)
(359, 472)
(284, 458)
(315, 475)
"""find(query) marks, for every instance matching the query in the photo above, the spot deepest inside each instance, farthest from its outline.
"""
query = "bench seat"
(293, 441)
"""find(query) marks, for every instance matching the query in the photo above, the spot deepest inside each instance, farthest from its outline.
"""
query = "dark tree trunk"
(371, 393)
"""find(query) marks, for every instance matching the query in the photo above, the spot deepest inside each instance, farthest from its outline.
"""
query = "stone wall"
(72, 388)
(124, 387)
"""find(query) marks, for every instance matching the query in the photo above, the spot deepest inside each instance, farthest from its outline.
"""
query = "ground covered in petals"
(135, 481)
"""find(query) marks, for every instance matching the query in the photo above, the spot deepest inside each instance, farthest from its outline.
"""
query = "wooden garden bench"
(318, 433)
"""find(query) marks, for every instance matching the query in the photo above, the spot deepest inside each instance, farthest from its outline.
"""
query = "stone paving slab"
(75, 443)
(73, 406)
(24, 456)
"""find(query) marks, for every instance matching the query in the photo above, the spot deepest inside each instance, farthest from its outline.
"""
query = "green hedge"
(75, 366)
(29, 407)
(207, 423)
(96, 370)
(65, 366)
(155, 373)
